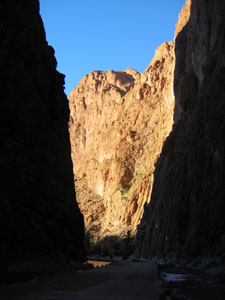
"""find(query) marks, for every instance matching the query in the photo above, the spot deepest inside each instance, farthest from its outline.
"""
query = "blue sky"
(90, 35)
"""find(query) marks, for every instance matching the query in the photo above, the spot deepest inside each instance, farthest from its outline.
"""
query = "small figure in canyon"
(126, 251)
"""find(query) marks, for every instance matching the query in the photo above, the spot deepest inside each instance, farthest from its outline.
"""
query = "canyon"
(153, 143)
(119, 122)
(145, 154)
(145, 151)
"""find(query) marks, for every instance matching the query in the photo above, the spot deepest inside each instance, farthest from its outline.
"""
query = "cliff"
(118, 123)
(186, 214)
(39, 216)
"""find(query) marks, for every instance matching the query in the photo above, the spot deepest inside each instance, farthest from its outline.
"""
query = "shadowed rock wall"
(186, 214)
(38, 213)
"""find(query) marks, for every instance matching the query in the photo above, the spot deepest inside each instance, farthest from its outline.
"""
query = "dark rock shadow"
(185, 216)
(39, 217)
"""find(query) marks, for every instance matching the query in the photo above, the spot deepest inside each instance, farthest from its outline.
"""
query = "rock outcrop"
(186, 213)
(39, 216)
(118, 123)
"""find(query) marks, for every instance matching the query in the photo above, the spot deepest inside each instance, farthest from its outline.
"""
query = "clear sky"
(90, 35)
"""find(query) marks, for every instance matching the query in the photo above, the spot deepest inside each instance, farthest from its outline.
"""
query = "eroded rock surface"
(186, 213)
(118, 123)
(39, 216)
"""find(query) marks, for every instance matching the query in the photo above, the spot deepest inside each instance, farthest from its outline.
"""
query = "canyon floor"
(120, 280)
(117, 280)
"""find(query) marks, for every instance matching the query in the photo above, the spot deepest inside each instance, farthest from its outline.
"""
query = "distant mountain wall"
(39, 215)
(185, 216)
(118, 123)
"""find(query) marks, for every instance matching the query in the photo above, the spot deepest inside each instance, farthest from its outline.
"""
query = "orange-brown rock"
(92, 207)
(184, 17)
(118, 123)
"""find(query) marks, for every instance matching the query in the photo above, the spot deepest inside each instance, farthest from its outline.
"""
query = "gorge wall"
(118, 123)
(186, 214)
(39, 216)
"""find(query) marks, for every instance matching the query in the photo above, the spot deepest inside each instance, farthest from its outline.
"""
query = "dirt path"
(123, 280)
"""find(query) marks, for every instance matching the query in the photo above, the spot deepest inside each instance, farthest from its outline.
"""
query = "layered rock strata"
(186, 213)
(39, 216)
(118, 123)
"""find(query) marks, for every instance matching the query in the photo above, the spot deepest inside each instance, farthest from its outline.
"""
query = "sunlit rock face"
(118, 123)
(39, 216)
(186, 213)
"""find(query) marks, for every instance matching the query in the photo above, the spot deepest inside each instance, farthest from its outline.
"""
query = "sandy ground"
(121, 280)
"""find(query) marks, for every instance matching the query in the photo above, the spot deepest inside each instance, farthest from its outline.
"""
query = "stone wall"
(39, 215)
(185, 216)
(118, 123)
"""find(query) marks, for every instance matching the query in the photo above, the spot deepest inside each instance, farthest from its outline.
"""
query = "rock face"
(39, 216)
(186, 213)
(118, 123)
